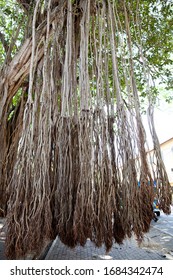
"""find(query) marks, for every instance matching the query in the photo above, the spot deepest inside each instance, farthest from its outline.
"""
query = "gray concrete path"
(128, 251)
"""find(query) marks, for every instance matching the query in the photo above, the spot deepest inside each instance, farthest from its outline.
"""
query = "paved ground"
(161, 233)
(165, 223)
(128, 251)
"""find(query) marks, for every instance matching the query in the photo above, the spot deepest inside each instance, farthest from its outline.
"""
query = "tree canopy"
(73, 145)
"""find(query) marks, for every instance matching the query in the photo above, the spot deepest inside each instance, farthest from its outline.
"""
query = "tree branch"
(13, 75)
(25, 4)
(4, 42)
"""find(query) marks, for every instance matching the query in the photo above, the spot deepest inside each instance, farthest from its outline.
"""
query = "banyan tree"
(73, 149)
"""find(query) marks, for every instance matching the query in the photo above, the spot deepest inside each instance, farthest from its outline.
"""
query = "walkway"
(128, 251)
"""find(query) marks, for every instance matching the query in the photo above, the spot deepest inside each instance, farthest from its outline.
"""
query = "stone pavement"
(160, 241)
(128, 251)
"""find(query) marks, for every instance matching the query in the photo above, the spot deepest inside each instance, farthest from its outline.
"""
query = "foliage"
(11, 18)
(152, 38)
